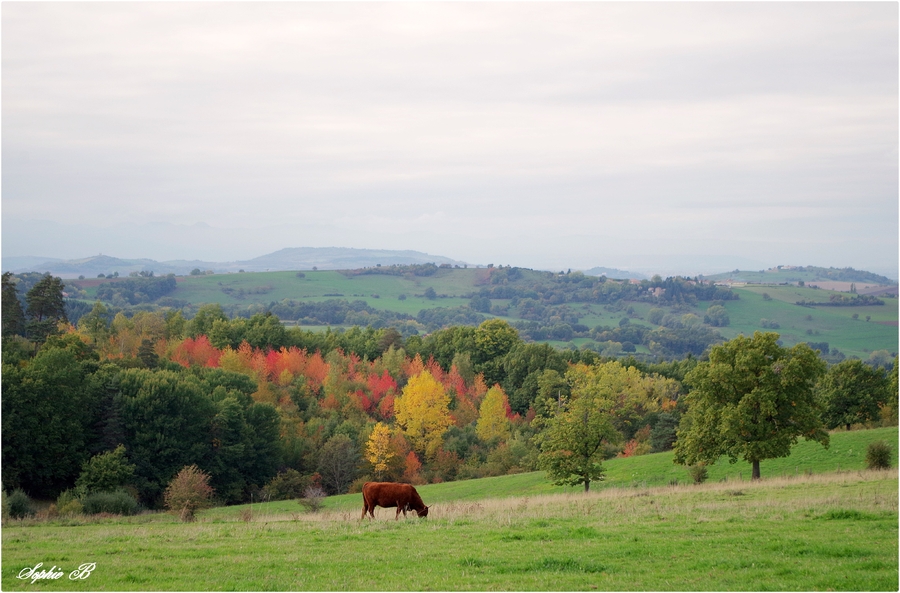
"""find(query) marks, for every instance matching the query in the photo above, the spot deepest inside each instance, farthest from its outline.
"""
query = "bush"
(188, 491)
(106, 471)
(19, 505)
(312, 499)
(117, 502)
(878, 455)
(357, 485)
(287, 485)
(71, 508)
(698, 472)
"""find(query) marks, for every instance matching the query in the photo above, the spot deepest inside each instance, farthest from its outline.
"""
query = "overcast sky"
(544, 135)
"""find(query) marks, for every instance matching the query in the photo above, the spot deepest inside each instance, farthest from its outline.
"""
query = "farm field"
(835, 325)
(832, 530)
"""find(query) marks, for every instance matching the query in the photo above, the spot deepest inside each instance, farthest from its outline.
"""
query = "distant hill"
(615, 274)
(806, 274)
(297, 258)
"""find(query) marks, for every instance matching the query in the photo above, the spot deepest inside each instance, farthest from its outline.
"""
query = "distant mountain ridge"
(293, 258)
(615, 274)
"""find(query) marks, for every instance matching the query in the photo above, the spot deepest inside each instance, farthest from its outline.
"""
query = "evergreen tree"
(12, 314)
(46, 307)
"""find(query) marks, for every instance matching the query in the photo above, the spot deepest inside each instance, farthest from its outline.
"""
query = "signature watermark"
(36, 573)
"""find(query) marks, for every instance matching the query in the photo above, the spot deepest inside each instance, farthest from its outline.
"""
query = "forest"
(267, 410)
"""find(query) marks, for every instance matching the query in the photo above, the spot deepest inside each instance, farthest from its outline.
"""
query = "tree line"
(266, 410)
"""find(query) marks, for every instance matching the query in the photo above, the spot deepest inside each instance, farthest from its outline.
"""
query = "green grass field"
(819, 531)
(835, 325)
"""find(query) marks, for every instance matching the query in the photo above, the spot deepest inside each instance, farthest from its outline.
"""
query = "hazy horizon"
(542, 135)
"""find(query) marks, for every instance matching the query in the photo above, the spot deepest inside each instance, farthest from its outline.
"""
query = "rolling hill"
(568, 315)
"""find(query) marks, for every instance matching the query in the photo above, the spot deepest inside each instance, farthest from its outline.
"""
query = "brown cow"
(392, 494)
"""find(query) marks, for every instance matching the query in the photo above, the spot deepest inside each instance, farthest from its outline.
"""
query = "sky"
(550, 135)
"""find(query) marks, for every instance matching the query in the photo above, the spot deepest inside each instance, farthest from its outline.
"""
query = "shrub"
(313, 499)
(698, 472)
(71, 508)
(106, 471)
(188, 491)
(117, 502)
(69, 495)
(878, 455)
(357, 485)
(287, 485)
(20, 505)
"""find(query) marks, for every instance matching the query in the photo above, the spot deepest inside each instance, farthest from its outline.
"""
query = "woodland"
(105, 400)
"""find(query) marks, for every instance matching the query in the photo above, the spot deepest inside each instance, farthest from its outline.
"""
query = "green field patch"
(553, 565)
(848, 515)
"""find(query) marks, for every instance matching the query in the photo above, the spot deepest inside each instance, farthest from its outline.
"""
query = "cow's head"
(423, 513)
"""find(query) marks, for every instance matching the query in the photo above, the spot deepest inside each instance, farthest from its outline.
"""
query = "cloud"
(473, 128)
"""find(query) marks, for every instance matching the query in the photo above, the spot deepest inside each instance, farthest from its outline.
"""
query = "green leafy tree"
(523, 366)
(494, 339)
(203, 321)
(853, 392)
(47, 416)
(106, 472)
(717, 316)
(96, 324)
(166, 419)
(572, 443)
(753, 399)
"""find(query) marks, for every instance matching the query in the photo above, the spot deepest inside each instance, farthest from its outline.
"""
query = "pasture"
(829, 531)
(835, 325)
(792, 530)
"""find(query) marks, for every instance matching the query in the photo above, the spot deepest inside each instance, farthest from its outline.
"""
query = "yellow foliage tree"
(493, 425)
(379, 451)
(423, 413)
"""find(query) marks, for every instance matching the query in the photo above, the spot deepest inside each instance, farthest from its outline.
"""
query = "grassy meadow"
(811, 529)
(835, 325)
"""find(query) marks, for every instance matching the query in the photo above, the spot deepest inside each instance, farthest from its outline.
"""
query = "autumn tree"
(752, 399)
(188, 492)
(379, 451)
(493, 423)
(423, 413)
